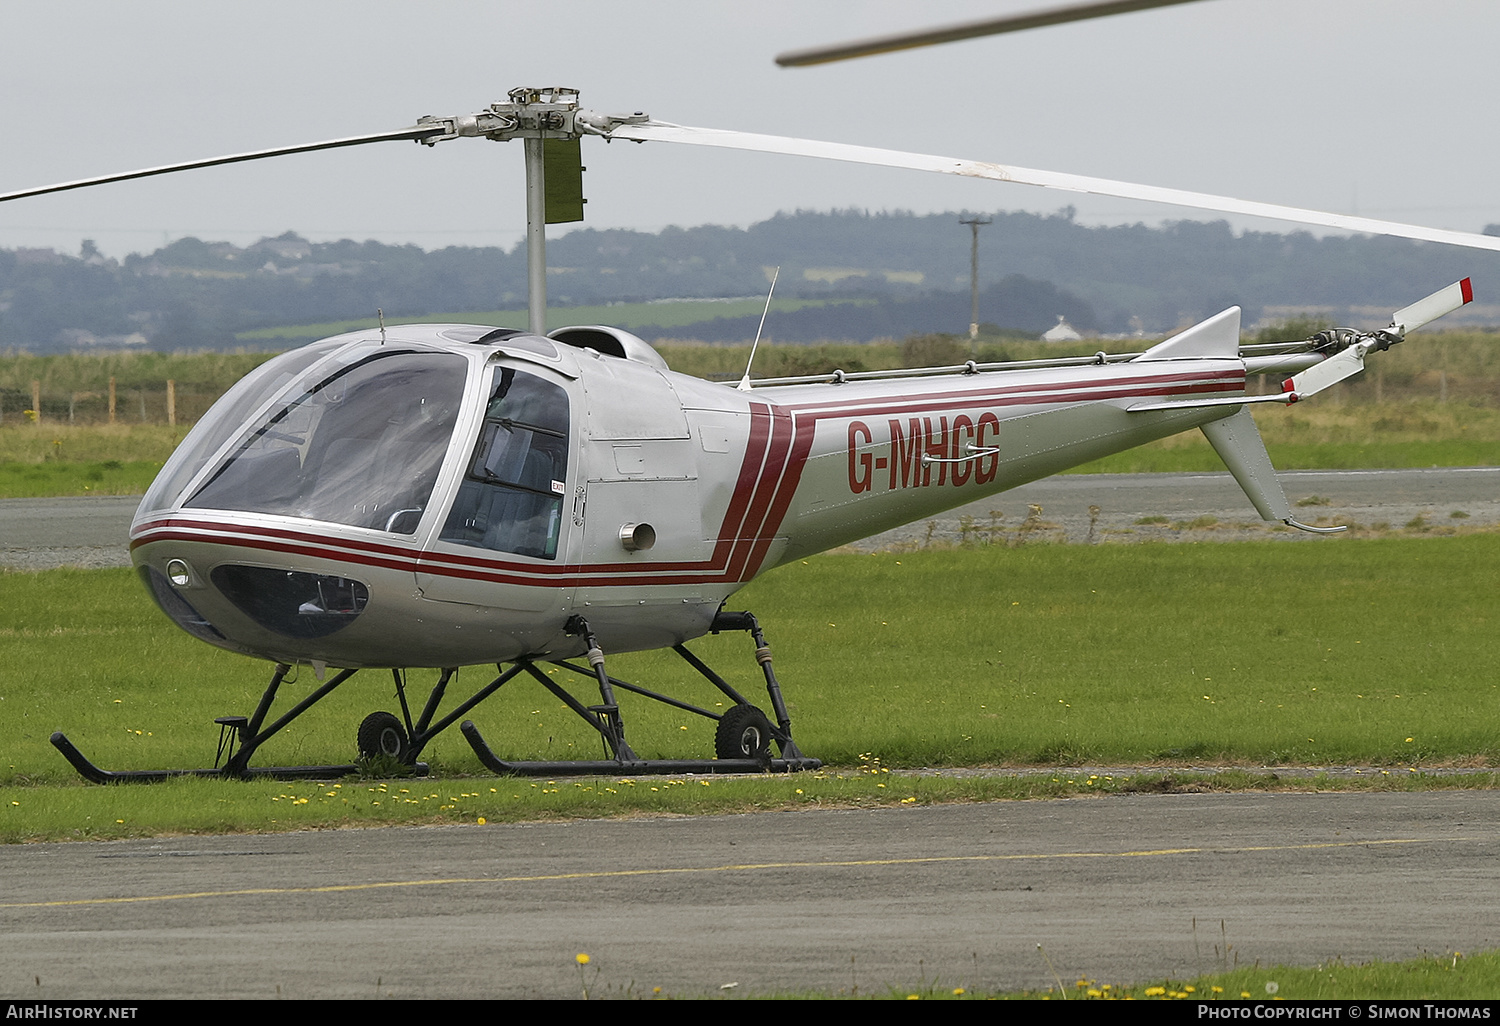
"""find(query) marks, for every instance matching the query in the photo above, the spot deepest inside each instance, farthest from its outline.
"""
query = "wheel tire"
(743, 733)
(381, 734)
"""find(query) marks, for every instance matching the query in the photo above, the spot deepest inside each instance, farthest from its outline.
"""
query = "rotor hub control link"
(551, 113)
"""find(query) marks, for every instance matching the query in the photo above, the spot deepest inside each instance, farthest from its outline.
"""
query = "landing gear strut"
(743, 736)
(743, 747)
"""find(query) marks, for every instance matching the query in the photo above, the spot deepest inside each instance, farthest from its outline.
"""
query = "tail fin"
(1237, 441)
(1216, 338)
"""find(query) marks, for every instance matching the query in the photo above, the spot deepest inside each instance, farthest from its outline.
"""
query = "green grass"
(76, 811)
(60, 459)
(1453, 976)
(42, 480)
(1354, 651)
(132, 371)
(1417, 432)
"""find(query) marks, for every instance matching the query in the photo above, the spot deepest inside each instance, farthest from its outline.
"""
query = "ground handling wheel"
(381, 734)
(743, 733)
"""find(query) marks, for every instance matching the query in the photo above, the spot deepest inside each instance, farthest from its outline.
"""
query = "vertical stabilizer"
(1237, 441)
(1216, 338)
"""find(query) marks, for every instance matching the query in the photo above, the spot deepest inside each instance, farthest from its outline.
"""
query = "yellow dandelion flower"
(581, 958)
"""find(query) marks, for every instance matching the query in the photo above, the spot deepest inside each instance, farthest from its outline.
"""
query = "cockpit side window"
(512, 495)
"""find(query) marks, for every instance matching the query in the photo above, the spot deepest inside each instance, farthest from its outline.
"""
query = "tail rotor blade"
(1424, 311)
(1323, 375)
(1352, 360)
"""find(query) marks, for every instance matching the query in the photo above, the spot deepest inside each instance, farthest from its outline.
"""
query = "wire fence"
(165, 402)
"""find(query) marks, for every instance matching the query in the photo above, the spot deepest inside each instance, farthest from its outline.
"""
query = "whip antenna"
(744, 385)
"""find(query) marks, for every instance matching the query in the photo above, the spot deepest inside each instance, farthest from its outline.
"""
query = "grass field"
(1453, 976)
(1366, 652)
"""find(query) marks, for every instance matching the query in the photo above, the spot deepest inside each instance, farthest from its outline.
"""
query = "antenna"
(744, 385)
(380, 315)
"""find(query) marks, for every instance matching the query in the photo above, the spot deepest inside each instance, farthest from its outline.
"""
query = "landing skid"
(638, 767)
(95, 775)
(743, 734)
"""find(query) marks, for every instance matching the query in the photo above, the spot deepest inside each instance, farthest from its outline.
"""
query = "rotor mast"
(537, 116)
(536, 236)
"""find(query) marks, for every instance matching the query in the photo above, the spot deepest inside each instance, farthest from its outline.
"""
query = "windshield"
(360, 444)
(226, 418)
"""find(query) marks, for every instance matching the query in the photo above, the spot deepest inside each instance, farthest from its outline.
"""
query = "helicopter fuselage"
(445, 495)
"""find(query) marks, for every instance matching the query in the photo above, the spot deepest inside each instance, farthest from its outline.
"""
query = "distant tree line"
(910, 272)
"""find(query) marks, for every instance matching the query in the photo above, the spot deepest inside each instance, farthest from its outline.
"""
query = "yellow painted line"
(745, 867)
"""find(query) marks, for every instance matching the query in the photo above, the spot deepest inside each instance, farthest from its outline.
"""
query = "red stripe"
(1467, 288)
(765, 490)
(785, 491)
(744, 488)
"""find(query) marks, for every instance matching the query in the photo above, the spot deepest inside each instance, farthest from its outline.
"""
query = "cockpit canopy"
(356, 434)
(360, 443)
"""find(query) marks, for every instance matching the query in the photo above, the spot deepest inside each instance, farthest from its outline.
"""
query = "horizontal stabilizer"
(1196, 404)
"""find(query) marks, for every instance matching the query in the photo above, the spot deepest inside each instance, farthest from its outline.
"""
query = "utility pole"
(974, 223)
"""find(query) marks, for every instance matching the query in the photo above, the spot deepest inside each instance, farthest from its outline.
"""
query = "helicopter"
(446, 495)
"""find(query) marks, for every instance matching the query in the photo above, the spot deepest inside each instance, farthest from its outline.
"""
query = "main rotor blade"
(415, 132)
(965, 30)
(661, 131)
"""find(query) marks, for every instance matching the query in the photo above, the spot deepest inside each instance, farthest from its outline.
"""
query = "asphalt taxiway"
(1119, 888)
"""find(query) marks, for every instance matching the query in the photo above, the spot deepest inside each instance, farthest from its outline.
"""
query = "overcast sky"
(1384, 108)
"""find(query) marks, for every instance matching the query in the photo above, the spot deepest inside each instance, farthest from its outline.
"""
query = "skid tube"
(605, 717)
(243, 731)
(240, 737)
